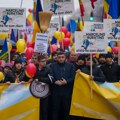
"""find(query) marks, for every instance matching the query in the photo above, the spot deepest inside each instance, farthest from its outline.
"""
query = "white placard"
(90, 42)
(93, 26)
(12, 18)
(52, 28)
(59, 7)
(41, 43)
(112, 29)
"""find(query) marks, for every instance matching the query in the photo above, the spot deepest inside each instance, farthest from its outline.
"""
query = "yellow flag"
(35, 30)
(16, 103)
(105, 104)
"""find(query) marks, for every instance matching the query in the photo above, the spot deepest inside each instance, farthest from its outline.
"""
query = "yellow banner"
(16, 103)
(105, 103)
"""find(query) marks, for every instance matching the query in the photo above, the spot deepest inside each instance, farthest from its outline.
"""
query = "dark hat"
(18, 60)
(8, 65)
(109, 55)
(93, 59)
(102, 55)
(81, 57)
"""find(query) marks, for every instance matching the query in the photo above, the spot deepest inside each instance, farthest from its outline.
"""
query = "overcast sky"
(16, 3)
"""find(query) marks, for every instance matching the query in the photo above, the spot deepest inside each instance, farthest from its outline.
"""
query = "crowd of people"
(62, 67)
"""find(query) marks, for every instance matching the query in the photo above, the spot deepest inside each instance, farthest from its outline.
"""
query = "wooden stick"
(21, 3)
(91, 73)
(61, 31)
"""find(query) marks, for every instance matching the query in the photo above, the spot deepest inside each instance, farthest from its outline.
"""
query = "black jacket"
(44, 75)
(66, 71)
(97, 73)
(111, 72)
(9, 77)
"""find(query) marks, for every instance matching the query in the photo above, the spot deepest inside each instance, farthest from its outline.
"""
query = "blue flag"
(4, 53)
(114, 8)
(12, 36)
(38, 9)
(72, 25)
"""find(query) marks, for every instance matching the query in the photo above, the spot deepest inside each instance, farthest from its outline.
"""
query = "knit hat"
(18, 60)
(8, 65)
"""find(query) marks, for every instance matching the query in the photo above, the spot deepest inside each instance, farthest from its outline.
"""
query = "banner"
(90, 42)
(93, 26)
(105, 104)
(16, 103)
(112, 28)
(12, 18)
(59, 7)
(41, 43)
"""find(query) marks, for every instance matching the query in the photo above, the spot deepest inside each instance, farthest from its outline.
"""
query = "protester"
(43, 75)
(110, 69)
(18, 71)
(9, 77)
(101, 60)
(73, 57)
(63, 73)
(15, 56)
(80, 63)
(53, 58)
(97, 74)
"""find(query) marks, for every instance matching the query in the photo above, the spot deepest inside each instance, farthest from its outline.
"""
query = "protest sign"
(90, 42)
(54, 26)
(112, 29)
(41, 43)
(93, 26)
(59, 7)
(12, 18)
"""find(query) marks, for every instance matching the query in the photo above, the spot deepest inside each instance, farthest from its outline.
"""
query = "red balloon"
(115, 50)
(29, 51)
(64, 30)
(66, 42)
(54, 48)
(68, 35)
(30, 44)
(31, 69)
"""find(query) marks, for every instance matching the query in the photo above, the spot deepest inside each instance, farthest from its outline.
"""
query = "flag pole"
(91, 74)
(61, 31)
(8, 46)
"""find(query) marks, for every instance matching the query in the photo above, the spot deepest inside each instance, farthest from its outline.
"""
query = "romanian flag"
(36, 22)
(17, 103)
(112, 9)
(105, 103)
(4, 52)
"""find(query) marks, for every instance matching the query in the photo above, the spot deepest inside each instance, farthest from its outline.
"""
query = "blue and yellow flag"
(112, 8)
(105, 103)
(16, 103)
(4, 52)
